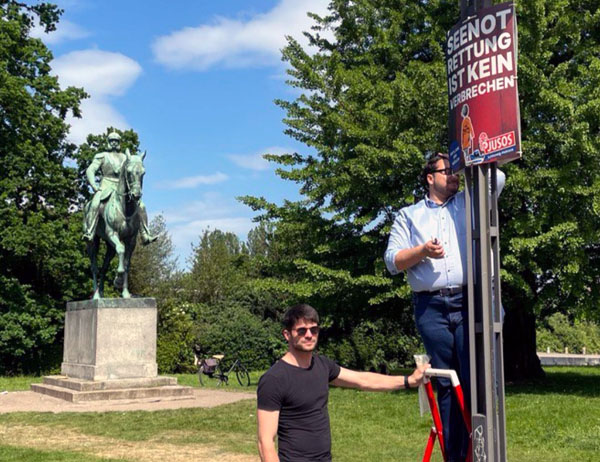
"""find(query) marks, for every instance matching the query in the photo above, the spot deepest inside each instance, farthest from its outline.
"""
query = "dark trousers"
(442, 322)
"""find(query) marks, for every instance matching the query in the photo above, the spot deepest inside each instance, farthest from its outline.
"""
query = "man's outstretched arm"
(268, 421)
(371, 381)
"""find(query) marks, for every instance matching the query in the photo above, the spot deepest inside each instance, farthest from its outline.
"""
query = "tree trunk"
(520, 356)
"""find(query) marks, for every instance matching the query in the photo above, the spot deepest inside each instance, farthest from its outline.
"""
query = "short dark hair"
(298, 312)
(430, 165)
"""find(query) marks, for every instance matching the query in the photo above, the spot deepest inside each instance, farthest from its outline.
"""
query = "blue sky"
(196, 80)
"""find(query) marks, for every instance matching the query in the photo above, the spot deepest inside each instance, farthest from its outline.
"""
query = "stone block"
(77, 390)
(110, 338)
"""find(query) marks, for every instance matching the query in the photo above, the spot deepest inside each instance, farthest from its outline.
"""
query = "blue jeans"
(442, 322)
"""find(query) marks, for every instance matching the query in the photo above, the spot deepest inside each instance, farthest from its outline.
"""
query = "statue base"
(78, 390)
(110, 338)
(110, 353)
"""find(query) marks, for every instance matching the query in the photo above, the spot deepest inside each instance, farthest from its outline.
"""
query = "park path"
(29, 401)
(57, 439)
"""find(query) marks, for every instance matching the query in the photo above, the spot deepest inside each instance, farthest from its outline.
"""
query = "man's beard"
(452, 187)
(448, 191)
(303, 347)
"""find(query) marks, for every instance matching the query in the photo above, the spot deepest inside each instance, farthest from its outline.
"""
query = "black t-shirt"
(300, 395)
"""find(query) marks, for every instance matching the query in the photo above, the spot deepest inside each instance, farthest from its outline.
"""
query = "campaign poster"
(483, 99)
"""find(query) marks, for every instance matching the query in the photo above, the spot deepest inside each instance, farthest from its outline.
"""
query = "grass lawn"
(555, 420)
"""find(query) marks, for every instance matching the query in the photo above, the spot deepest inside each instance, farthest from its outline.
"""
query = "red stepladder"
(437, 430)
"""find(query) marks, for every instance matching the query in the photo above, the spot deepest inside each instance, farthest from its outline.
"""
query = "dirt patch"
(44, 438)
(28, 401)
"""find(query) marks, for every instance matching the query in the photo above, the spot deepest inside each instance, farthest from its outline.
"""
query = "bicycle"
(213, 368)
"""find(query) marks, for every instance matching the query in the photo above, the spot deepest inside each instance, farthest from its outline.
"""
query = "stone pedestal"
(110, 338)
(110, 353)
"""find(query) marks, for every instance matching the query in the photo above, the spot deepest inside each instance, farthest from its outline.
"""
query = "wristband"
(406, 384)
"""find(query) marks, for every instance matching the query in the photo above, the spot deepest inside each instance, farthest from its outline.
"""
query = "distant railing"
(568, 359)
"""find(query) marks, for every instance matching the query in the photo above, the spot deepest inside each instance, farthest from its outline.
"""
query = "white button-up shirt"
(424, 221)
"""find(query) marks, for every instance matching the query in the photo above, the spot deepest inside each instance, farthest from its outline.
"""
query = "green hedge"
(558, 333)
(372, 345)
(230, 329)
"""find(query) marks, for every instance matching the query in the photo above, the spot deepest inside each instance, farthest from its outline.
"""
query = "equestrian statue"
(116, 212)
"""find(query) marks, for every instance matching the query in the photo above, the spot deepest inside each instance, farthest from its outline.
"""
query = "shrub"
(373, 345)
(230, 329)
(175, 342)
(559, 333)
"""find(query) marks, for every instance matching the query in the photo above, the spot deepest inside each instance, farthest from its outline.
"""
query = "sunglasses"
(446, 171)
(314, 330)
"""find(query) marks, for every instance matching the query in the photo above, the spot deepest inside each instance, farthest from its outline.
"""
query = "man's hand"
(433, 249)
(416, 378)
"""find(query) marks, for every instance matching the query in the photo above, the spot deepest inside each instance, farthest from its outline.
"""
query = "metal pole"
(484, 303)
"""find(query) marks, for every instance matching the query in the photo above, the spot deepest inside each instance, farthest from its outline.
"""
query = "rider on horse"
(110, 164)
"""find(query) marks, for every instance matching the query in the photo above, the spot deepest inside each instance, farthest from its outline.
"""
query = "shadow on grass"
(567, 381)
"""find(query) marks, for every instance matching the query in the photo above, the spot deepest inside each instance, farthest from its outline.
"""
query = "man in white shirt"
(428, 241)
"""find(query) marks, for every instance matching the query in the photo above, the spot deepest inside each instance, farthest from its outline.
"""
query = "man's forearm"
(407, 258)
(380, 382)
(267, 451)
(371, 381)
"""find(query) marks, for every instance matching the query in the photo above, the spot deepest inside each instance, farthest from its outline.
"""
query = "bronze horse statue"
(118, 225)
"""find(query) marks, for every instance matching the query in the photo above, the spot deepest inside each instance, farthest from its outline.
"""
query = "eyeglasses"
(446, 171)
(314, 330)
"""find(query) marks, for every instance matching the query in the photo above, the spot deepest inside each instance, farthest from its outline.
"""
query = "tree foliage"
(374, 103)
(216, 261)
(364, 117)
(41, 261)
(223, 301)
(559, 333)
(154, 265)
(549, 213)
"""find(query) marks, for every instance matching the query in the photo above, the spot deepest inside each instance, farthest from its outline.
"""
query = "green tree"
(41, 256)
(367, 124)
(549, 211)
(154, 265)
(374, 104)
(217, 266)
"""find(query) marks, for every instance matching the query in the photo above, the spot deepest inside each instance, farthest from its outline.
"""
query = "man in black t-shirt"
(293, 393)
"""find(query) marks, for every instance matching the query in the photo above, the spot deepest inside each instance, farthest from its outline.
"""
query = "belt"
(445, 292)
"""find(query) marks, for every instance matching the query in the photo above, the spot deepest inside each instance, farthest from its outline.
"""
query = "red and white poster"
(483, 99)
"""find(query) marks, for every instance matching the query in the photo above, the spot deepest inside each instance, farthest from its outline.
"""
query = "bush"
(175, 342)
(230, 329)
(372, 345)
(559, 333)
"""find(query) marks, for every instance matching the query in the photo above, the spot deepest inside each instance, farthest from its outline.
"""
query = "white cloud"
(237, 43)
(193, 181)
(103, 75)
(97, 115)
(256, 161)
(65, 30)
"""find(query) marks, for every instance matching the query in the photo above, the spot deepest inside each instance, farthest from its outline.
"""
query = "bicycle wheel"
(200, 374)
(221, 376)
(242, 375)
